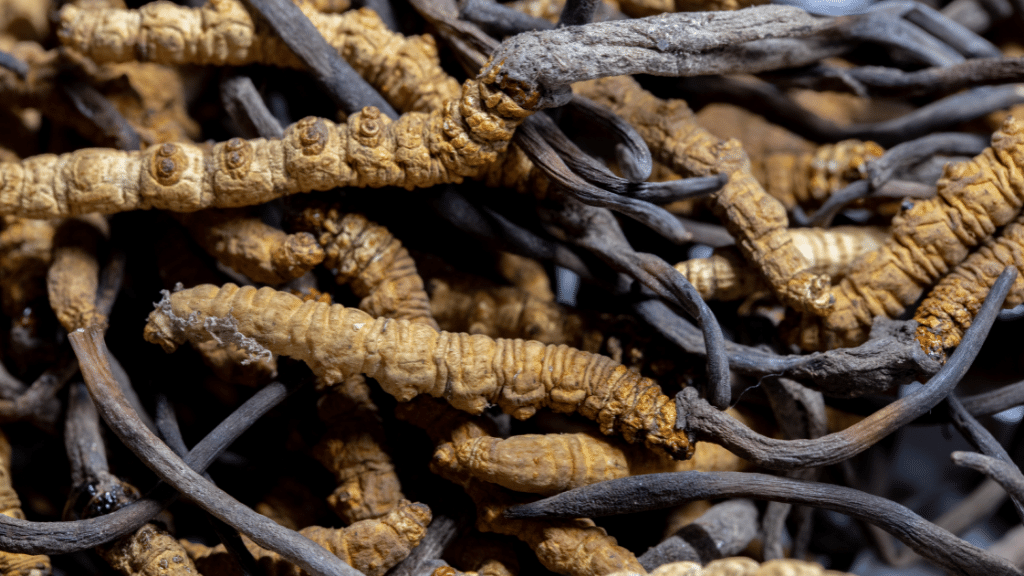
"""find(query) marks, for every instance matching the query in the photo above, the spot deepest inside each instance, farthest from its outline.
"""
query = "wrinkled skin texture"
(471, 372)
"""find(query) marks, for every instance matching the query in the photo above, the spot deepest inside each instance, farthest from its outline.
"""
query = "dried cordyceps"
(26, 249)
(370, 546)
(151, 98)
(368, 257)
(241, 241)
(929, 238)
(642, 8)
(353, 449)
(741, 567)
(149, 551)
(471, 372)
(756, 219)
(446, 145)
(725, 275)
(484, 555)
(526, 274)
(952, 305)
(74, 276)
(222, 33)
(809, 179)
(502, 312)
(380, 271)
(552, 463)
(12, 564)
(182, 262)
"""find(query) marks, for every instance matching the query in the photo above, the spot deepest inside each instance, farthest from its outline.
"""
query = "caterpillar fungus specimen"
(725, 275)
(928, 238)
(370, 546)
(380, 271)
(148, 551)
(551, 463)
(470, 371)
(950, 308)
(757, 220)
(12, 564)
(574, 547)
(810, 178)
(458, 140)
(221, 33)
(741, 566)
(241, 241)
(73, 278)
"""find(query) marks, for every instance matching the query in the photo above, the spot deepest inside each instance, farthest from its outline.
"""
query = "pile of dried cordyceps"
(512, 333)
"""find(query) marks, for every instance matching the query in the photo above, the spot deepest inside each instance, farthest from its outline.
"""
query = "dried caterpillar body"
(12, 564)
(741, 567)
(370, 546)
(369, 258)
(572, 547)
(551, 463)
(73, 278)
(644, 8)
(26, 250)
(576, 547)
(809, 179)
(471, 372)
(927, 240)
(484, 555)
(154, 103)
(950, 308)
(222, 32)
(526, 274)
(241, 241)
(353, 449)
(725, 275)
(181, 262)
(459, 140)
(757, 220)
(331, 6)
(149, 551)
(502, 312)
(380, 271)
(551, 10)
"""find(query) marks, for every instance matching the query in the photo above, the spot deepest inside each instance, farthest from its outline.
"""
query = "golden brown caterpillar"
(928, 239)
(241, 241)
(576, 548)
(470, 371)
(353, 449)
(370, 546)
(551, 10)
(404, 69)
(151, 97)
(573, 547)
(26, 250)
(741, 567)
(149, 551)
(484, 555)
(148, 96)
(809, 179)
(180, 261)
(725, 275)
(331, 5)
(643, 8)
(379, 269)
(757, 220)
(502, 312)
(551, 463)
(12, 564)
(950, 308)
(74, 276)
(526, 274)
(458, 140)
(371, 260)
